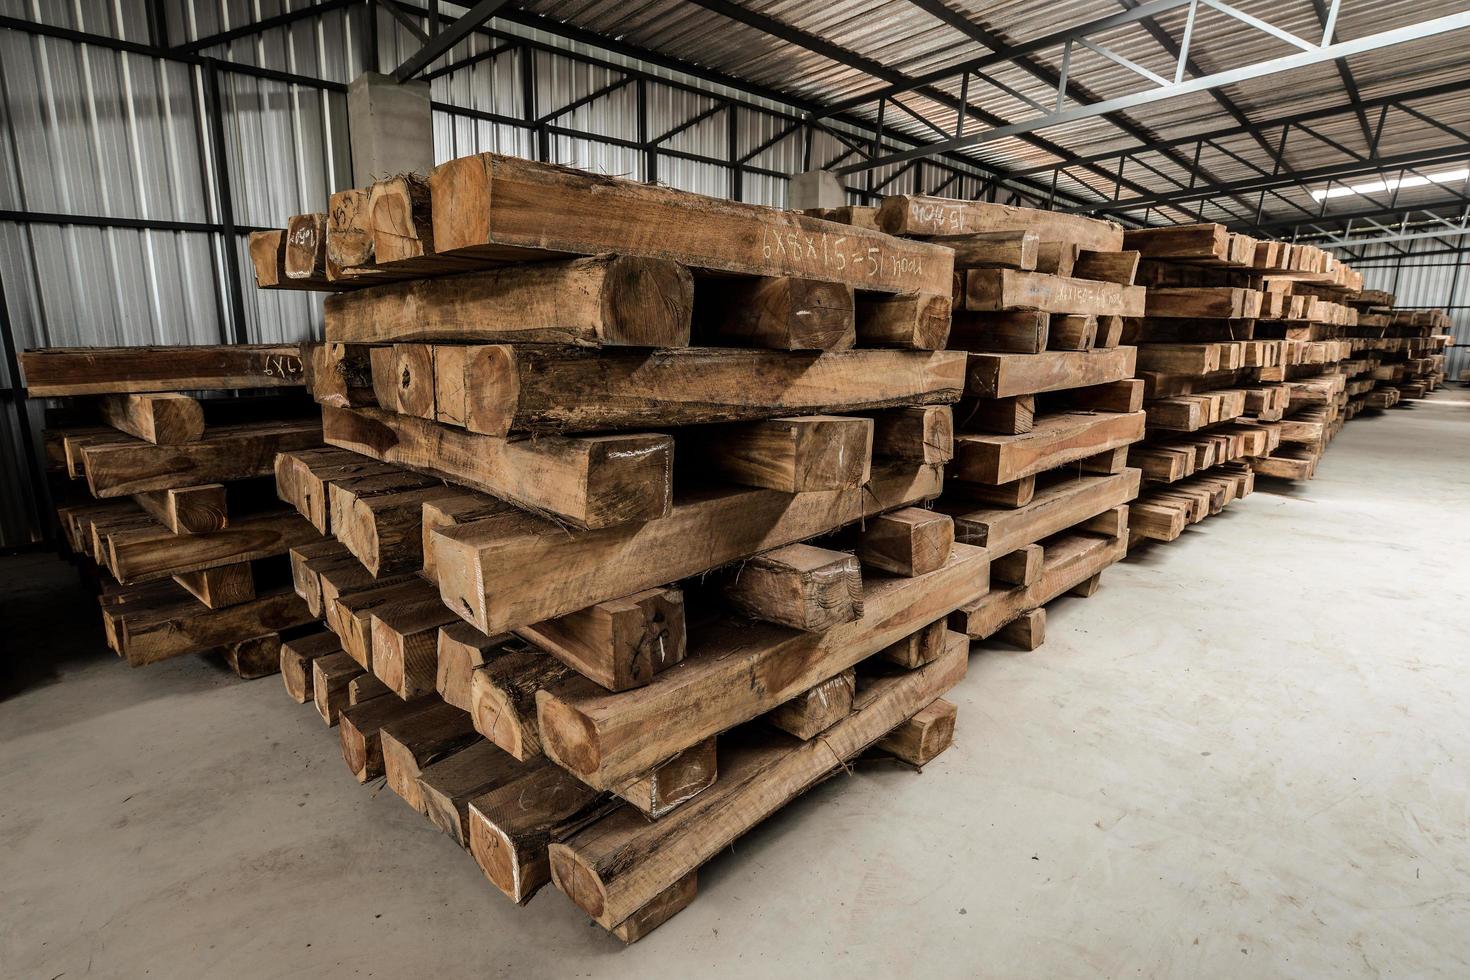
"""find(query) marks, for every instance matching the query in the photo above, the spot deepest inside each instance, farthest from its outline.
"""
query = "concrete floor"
(1245, 756)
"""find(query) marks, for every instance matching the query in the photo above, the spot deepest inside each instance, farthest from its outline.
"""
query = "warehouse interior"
(1201, 382)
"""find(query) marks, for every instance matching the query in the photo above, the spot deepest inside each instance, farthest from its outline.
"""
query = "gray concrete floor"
(1245, 756)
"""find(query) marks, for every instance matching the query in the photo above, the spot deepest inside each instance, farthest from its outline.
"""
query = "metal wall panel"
(1426, 282)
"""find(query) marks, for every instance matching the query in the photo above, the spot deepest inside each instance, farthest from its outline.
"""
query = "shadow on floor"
(49, 621)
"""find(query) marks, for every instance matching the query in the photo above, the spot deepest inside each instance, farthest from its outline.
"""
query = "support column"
(390, 127)
(815, 189)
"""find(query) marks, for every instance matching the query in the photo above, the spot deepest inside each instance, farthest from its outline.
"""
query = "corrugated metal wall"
(1428, 280)
(92, 137)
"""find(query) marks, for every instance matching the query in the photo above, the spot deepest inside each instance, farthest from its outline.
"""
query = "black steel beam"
(439, 44)
(259, 26)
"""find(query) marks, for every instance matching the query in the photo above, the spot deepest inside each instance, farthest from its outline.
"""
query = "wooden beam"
(1055, 439)
(1055, 508)
(800, 586)
(794, 455)
(606, 738)
(187, 510)
(1003, 375)
(59, 372)
(1009, 289)
(781, 313)
(608, 300)
(919, 740)
(818, 708)
(619, 644)
(229, 452)
(508, 572)
(591, 482)
(499, 208)
(148, 554)
(619, 864)
(563, 390)
(162, 419)
(923, 216)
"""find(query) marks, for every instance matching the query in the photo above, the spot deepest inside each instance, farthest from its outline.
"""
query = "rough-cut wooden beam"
(619, 644)
(297, 658)
(1055, 508)
(1054, 440)
(781, 313)
(592, 482)
(508, 572)
(794, 455)
(162, 419)
(606, 738)
(229, 452)
(62, 371)
(173, 629)
(187, 510)
(1002, 375)
(509, 389)
(921, 739)
(499, 208)
(620, 864)
(1009, 289)
(601, 301)
(145, 555)
(920, 215)
(800, 586)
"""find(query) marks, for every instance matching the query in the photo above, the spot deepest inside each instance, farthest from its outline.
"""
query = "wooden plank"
(602, 301)
(1055, 439)
(564, 390)
(800, 586)
(148, 554)
(62, 371)
(1054, 508)
(1199, 301)
(619, 644)
(162, 419)
(779, 313)
(1003, 375)
(514, 571)
(187, 510)
(1204, 241)
(231, 452)
(1009, 289)
(606, 738)
(794, 455)
(920, 647)
(592, 482)
(924, 216)
(818, 708)
(616, 866)
(501, 208)
(919, 740)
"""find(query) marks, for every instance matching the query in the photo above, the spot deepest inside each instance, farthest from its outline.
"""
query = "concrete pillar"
(390, 126)
(815, 189)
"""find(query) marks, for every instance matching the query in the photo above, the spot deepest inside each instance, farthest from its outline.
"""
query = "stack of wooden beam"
(1370, 346)
(1209, 406)
(1038, 476)
(622, 539)
(1410, 356)
(164, 497)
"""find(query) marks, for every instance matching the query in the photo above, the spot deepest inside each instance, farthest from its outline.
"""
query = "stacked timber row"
(1039, 476)
(1410, 355)
(165, 496)
(1225, 330)
(621, 529)
(1367, 335)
